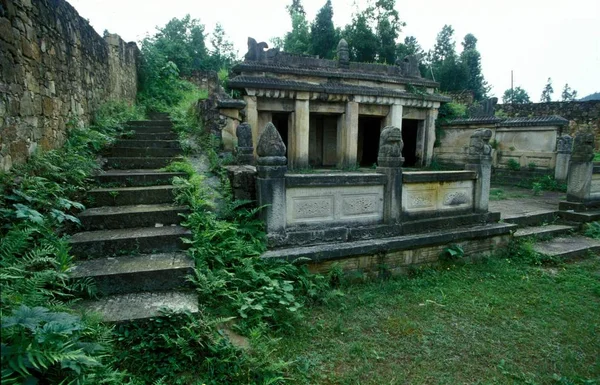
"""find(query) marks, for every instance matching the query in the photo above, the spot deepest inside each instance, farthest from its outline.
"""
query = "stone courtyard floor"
(517, 202)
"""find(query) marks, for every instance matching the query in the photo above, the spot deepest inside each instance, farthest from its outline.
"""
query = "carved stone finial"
(564, 144)
(583, 147)
(410, 66)
(390, 148)
(270, 148)
(486, 107)
(256, 51)
(480, 143)
(343, 54)
(245, 150)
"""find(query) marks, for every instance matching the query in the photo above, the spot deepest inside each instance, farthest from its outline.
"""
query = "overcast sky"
(536, 39)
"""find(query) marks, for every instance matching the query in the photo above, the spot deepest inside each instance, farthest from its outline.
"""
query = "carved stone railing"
(302, 209)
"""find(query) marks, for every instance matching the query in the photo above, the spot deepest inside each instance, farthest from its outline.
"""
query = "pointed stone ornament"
(270, 143)
(343, 54)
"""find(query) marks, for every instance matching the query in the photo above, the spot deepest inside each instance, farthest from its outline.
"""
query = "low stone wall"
(55, 70)
(581, 115)
(595, 188)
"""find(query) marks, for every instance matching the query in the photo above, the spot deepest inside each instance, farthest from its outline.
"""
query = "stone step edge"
(131, 209)
(131, 189)
(334, 251)
(108, 266)
(140, 306)
(532, 231)
(576, 252)
(118, 234)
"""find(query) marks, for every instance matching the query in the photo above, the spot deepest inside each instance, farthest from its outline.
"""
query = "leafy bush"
(592, 230)
(513, 165)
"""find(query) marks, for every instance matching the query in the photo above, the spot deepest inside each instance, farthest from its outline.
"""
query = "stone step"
(105, 243)
(532, 219)
(580, 216)
(134, 143)
(141, 306)
(544, 231)
(149, 123)
(159, 116)
(568, 247)
(136, 273)
(149, 129)
(132, 152)
(120, 217)
(136, 177)
(137, 163)
(153, 136)
(123, 196)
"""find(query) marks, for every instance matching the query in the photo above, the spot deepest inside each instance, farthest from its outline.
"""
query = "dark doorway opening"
(410, 128)
(280, 121)
(369, 130)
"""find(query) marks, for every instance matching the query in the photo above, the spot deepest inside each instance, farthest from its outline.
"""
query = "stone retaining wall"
(55, 70)
(581, 115)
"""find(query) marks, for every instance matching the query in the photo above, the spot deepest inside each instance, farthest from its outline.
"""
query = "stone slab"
(130, 163)
(103, 243)
(137, 177)
(142, 152)
(141, 143)
(568, 247)
(438, 176)
(154, 136)
(533, 219)
(545, 231)
(150, 123)
(120, 217)
(334, 179)
(140, 306)
(121, 196)
(137, 273)
(580, 217)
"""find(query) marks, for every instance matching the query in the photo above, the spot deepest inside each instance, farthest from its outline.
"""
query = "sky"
(536, 39)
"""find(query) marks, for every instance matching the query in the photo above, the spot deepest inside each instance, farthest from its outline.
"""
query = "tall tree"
(547, 92)
(411, 46)
(387, 28)
(323, 34)
(296, 7)
(470, 58)
(444, 47)
(298, 39)
(515, 96)
(222, 54)
(363, 43)
(568, 94)
(445, 64)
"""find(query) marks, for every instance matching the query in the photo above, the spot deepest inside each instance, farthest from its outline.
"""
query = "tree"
(444, 45)
(222, 54)
(323, 34)
(363, 43)
(515, 96)
(547, 92)
(387, 28)
(412, 47)
(568, 95)
(445, 64)
(470, 58)
(299, 38)
(296, 7)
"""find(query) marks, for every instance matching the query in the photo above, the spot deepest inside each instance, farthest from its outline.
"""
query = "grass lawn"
(494, 322)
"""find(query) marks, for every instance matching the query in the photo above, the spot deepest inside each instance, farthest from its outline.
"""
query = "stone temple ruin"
(329, 113)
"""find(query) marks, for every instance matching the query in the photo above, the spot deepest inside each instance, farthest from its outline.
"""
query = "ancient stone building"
(330, 113)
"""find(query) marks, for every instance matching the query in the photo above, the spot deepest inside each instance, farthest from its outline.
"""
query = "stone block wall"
(581, 115)
(55, 70)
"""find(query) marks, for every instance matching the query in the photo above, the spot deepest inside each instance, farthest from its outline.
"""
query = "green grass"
(597, 157)
(498, 194)
(496, 322)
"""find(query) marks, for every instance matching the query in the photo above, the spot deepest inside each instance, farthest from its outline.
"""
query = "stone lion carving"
(480, 143)
(256, 51)
(583, 147)
(410, 66)
(390, 147)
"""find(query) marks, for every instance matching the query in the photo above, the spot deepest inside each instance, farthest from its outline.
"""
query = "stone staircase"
(132, 244)
(555, 232)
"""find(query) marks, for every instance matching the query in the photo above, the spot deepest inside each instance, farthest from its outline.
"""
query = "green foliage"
(362, 41)
(513, 165)
(412, 47)
(452, 253)
(189, 349)
(447, 112)
(298, 40)
(323, 34)
(515, 96)
(547, 92)
(548, 183)
(536, 188)
(568, 94)
(597, 157)
(470, 58)
(592, 230)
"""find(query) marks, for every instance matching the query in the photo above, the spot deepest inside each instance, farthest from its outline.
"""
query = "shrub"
(513, 165)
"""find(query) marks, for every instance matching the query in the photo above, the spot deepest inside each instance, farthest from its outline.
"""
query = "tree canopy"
(547, 92)
(324, 38)
(515, 96)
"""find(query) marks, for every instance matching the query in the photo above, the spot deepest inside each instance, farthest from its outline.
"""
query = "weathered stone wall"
(581, 115)
(54, 70)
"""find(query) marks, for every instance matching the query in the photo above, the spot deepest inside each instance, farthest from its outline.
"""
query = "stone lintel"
(437, 176)
(334, 179)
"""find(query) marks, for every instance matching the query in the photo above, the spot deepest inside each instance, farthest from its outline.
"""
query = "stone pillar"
(270, 184)
(389, 163)
(394, 117)
(347, 136)
(479, 159)
(244, 149)
(429, 136)
(301, 131)
(252, 117)
(263, 119)
(564, 145)
(581, 168)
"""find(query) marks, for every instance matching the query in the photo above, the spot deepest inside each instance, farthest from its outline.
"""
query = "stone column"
(429, 136)
(564, 145)
(389, 163)
(270, 183)
(263, 119)
(581, 168)
(244, 149)
(347, 136)
(252, 117)
(301, 131)
(394, 117)
(479, 159)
